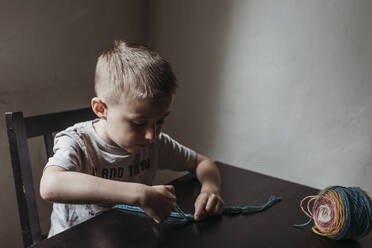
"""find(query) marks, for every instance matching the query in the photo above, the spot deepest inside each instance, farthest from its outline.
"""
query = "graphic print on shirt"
(135, 168)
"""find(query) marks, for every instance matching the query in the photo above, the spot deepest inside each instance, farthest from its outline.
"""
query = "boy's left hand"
(208, 203)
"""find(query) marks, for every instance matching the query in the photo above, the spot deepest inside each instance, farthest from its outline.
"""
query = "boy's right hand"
(158, 201)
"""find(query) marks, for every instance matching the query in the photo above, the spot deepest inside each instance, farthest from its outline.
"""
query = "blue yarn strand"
(174, 217)
(305, 224)
(251, 209)
(178, 217)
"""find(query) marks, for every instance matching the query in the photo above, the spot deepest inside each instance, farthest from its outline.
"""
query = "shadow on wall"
(48, 51)
(197, 56)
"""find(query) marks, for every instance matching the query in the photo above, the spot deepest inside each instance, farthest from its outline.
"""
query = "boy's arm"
(59, 185)
(209, 200)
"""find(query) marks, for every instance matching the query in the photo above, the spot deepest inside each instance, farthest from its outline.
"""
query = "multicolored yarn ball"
(339, 212)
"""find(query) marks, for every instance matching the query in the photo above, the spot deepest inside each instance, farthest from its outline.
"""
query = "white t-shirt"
(79, 148)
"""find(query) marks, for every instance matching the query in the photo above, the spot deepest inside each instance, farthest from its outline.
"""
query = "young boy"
(113, 159)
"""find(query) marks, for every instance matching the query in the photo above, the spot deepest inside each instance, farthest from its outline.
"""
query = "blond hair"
(132, 70)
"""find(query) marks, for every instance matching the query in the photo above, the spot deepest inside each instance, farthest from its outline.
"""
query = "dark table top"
(271, 228)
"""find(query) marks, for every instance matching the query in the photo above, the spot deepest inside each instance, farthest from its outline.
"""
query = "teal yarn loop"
(351, 210)
(179, 217)
(251, 209)
(176, 217)
(358, 212)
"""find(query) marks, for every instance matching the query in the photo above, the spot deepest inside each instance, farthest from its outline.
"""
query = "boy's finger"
(156, 220)
(211, 204)
(199, 214)
(154, 216)
(221, 208)
(170, 188)
(218, 209)
(200, 204)
(171, 196)
(169, 192)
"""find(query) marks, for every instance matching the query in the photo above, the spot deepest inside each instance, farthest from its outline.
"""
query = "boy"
(113, 159)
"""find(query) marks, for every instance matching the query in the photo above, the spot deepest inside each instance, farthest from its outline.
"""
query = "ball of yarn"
(339, 212)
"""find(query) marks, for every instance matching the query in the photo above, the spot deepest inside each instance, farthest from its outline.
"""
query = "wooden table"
(271, 228)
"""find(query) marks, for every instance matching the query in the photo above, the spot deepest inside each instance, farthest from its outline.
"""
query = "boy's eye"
(138, 124)
(160, 122)
(144, 123)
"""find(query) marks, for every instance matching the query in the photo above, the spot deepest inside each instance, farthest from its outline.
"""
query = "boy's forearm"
(74, 187)
(208, 175)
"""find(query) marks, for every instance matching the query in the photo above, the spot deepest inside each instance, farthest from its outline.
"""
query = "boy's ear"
(99, 107)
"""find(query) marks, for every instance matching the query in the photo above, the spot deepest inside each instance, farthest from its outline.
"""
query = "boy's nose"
(150, 133)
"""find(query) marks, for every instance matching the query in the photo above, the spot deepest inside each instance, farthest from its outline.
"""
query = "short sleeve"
(174, 156)
(67, 152)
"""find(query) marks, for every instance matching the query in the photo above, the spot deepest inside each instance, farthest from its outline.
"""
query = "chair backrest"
(19, 130)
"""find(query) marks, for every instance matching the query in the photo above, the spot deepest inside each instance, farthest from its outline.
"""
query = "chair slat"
(51, 123)
(23, 179)
(19, 130)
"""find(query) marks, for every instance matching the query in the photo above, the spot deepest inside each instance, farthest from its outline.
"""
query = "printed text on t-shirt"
(118, 172)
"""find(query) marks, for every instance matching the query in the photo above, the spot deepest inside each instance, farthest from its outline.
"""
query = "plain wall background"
(48, 51)
(279, 87)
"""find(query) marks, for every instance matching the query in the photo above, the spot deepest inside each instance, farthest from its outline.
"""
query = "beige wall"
(279, 87)
(47, 55)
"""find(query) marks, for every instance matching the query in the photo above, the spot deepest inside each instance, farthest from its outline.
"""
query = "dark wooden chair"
(19, 130)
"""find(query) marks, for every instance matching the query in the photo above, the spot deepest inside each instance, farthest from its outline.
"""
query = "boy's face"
(134, 124)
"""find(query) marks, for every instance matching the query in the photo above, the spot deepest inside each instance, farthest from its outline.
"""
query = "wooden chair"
(19, 130)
